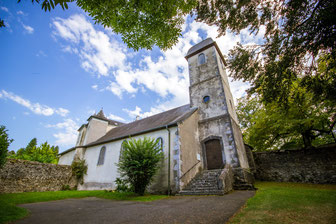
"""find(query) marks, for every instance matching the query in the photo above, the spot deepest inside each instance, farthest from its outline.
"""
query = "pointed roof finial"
(101, 114)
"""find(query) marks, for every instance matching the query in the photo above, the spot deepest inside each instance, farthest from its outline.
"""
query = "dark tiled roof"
(199, 46)
(158, 121)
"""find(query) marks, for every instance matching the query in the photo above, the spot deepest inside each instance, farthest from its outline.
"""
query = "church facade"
(200, 136)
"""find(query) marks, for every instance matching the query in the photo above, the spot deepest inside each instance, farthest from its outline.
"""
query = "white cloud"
(41, 54)
(95, 87)
(68, 134)
(4, 9)
(166, 75)
(20, 13)
(115, 117)
(98, 53)
(34, 107)
(28, 29)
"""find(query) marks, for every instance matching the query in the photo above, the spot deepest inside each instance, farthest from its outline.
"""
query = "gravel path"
(179, 209)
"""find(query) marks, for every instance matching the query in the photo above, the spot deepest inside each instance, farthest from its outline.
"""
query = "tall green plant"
(139, 162)
(79, 169)
(4, 143)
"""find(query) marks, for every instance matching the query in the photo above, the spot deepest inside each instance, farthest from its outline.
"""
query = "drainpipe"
(168, 159)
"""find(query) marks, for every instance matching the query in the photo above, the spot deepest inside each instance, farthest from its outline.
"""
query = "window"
(122, 148)
(160, 143)
(201, 59)
(206, 99)
(101, 156)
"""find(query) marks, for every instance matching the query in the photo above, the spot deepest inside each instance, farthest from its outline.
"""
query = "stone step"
(218, 192)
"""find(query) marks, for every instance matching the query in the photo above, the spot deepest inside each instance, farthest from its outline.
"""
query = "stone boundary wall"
(308, 166)
(27, 176)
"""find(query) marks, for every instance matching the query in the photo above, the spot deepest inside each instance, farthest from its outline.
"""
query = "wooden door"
(213, 152)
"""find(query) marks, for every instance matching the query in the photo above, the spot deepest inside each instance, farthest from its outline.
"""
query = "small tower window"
(206, 99)
(101, 156)
(159, 141)
(201, 59)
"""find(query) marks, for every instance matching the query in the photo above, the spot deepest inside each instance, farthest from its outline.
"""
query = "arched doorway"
(213, 154)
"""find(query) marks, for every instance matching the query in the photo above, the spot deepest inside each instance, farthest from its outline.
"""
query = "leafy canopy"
(305, 122)
(139, 162)
(5, 141)
(43, 153)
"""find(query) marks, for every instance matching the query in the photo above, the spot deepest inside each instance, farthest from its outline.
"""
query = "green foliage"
(139, 162)
(79, 169)
(66, 188)
(142, 24)
(43, 153)
(122, 185)
(4, 143)
(304, 122)
(297, 34)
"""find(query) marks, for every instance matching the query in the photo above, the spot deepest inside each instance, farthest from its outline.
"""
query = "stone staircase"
(205, 183)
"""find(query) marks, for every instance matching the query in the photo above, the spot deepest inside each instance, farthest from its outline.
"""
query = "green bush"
(4, 143)
(79, 169)
(138, 162)
(122, 185)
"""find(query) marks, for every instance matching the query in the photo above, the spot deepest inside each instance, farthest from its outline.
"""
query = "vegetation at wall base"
(281, 203)
(10, 212)
(139, 162)
(79, 169)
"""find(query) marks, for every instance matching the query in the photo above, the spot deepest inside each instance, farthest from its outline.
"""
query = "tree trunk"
(307, 140)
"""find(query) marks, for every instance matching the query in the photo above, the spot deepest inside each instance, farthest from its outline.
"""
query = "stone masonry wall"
(308, 166)
(28, 176)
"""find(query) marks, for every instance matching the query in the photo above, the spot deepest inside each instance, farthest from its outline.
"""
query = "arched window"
(159, 141)
(201, 59)
(101, 156)
(122, 148)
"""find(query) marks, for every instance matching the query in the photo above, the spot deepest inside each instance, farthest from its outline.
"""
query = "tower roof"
(201, 46)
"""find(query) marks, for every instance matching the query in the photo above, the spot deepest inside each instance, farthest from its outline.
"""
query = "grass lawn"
(289, 203)
(10, 212)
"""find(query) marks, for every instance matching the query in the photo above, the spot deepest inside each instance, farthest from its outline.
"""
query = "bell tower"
(209, 90)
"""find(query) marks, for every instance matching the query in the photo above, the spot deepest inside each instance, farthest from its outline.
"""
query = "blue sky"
(58, 68)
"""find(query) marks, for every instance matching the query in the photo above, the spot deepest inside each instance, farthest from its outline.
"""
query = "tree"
(4, 143)
(43, 153)
(139, 162)
(305, 122)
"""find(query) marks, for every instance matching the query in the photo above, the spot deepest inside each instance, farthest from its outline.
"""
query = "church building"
(199, 139)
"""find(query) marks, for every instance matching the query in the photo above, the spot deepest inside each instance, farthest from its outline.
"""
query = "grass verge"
(10, 212)
(279, 203)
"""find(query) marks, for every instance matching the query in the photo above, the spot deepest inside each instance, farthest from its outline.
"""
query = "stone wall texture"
(308, 166)
(28, 176)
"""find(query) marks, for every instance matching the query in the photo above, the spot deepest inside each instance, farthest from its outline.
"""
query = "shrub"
(79, 169)
(138, 162)
(65, 188)
(122, 185)
(4, 143)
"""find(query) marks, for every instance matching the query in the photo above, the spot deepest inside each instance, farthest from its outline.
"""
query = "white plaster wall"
(103, 176)
(66, 159)
(96, 129)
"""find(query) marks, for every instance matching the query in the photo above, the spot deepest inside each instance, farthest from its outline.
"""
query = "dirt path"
(179, 209)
